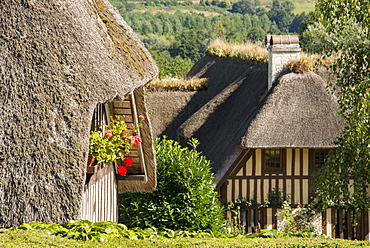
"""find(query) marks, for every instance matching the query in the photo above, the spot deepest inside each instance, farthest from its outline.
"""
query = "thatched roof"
(58, 59)
(219, 124)
(297, 112)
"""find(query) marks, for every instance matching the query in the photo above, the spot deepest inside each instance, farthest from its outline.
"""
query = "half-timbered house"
(270, 136)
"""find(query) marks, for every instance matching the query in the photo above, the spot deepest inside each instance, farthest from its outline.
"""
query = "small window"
(100, 116)
(319, 157)
(273, 159)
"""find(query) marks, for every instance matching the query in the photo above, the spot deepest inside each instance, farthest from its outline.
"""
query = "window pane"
(273, 159)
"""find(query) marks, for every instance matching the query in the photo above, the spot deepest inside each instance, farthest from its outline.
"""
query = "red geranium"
(122, 170)
(128, 161)
(108, 133)
(136, 140)
(141, 117)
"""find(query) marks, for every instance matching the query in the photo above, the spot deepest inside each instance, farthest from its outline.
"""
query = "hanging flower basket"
(112, 142)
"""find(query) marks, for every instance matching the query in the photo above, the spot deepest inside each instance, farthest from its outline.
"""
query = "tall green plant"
(184, 198)
(345, 179)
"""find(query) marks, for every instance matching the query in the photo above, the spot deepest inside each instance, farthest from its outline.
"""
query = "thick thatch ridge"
(58, 59)
(298, 112)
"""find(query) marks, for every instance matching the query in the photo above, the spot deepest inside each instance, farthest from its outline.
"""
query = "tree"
(256, 35)
(345, 178)
(184, 199)
(297, 23)
(281, 13)
(190, 44)
(243, 7)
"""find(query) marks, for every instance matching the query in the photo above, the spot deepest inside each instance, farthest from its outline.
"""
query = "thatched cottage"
(58, 61)
(266, 132)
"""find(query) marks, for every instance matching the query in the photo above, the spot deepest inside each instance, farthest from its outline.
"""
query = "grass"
(248, 51)
(300, 5)
(21, 238)
(303, 6)
(308, 63)
(174, 84)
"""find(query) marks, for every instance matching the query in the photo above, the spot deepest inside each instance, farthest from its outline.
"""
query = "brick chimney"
(282, 48)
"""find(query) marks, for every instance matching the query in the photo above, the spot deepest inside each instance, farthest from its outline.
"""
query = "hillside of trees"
(178, 32)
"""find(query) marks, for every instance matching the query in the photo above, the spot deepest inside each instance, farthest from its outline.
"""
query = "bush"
(300, 220)
(184, 198)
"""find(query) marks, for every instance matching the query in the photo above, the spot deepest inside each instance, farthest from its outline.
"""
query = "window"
(273, 159)
(100, 115)
(319, 157)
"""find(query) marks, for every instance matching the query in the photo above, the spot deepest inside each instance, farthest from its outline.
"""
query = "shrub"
(300, 219)
(184, 198)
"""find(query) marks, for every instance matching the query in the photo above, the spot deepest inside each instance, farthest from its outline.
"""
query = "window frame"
(281, 161)
(321, 157)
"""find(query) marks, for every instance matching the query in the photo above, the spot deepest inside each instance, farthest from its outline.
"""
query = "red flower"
(141, 117)
(108, 133)
(122, 170)
(127, 161)
(136, 140)
(100, 125)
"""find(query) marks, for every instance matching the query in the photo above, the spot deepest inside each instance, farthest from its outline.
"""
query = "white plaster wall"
(278, 59)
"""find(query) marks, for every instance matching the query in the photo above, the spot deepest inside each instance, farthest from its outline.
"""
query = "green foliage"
(185, 34)
(105, 231)
(275, 199)
(114, 142)
(300, 220)
(174, 67)
(82, 230)
(38, 238)
(345, 178)
(316, 38)
(184, 198)
(190, 44)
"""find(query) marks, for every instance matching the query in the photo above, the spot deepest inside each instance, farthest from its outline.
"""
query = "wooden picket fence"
(100, 196)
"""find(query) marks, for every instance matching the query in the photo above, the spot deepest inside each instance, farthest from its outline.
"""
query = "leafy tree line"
(181, 37)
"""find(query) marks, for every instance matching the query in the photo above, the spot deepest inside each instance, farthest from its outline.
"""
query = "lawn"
(21, 238)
